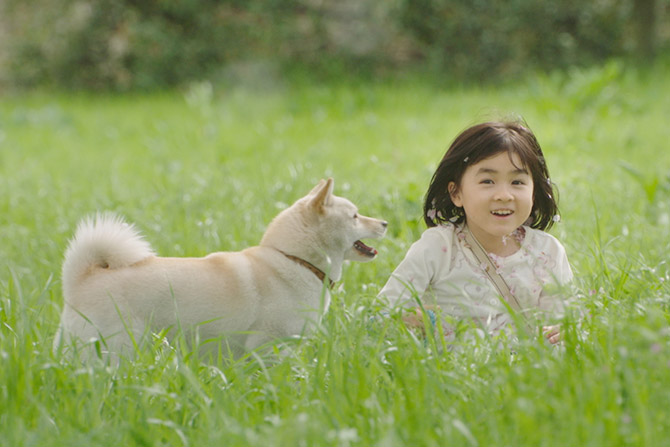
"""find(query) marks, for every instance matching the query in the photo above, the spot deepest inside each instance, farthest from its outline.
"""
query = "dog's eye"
(355, 215)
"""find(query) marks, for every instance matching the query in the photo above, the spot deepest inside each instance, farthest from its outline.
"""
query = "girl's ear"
(455, 194)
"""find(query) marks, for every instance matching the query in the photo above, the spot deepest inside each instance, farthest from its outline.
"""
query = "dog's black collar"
(319, 273)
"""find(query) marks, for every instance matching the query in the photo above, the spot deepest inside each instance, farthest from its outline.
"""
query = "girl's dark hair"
(478, 143)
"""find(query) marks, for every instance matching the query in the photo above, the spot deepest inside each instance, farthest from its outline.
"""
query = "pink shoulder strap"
(491, 271)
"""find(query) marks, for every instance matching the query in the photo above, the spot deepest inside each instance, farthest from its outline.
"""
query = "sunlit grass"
(207, 168)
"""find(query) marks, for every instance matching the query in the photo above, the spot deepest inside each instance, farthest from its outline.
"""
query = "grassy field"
(206, 168)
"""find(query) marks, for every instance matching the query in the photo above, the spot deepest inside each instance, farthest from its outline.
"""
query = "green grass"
(202, 170)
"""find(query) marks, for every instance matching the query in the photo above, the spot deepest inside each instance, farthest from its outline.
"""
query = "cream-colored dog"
(117, 290)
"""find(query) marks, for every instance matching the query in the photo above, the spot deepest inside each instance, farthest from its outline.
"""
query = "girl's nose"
(503, 193)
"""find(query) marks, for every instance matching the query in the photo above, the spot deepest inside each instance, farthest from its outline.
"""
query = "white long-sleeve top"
(441, 269)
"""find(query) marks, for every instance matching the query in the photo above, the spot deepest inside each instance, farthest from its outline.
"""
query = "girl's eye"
(518, 182)
(487, 182)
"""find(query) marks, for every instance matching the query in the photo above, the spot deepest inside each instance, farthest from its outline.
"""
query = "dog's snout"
(385, 224)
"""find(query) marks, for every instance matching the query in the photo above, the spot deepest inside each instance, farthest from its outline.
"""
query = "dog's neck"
(318, 272)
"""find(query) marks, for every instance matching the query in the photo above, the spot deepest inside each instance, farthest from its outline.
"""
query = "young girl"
(491, 191)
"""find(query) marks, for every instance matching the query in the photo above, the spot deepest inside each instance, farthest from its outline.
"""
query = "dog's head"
(324, 230)
(342, 224)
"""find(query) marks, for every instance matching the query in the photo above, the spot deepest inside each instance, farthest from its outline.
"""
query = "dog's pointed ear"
(317, 188)
(322, 193)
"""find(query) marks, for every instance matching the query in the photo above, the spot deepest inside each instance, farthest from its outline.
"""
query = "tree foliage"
(129, 44)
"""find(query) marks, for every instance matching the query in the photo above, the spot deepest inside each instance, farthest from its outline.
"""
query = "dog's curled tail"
(105, 241)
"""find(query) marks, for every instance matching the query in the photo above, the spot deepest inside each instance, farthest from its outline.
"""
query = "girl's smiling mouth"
(502, 212)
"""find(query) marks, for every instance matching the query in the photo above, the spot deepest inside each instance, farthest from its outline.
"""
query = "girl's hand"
(414, 319)
(552, 333)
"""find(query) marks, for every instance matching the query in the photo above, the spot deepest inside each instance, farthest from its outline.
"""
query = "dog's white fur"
(117, 290)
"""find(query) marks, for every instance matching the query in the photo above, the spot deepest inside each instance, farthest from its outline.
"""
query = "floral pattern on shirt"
(455, 280)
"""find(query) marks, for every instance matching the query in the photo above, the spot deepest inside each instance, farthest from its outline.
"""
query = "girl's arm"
(412, 277)
(555, 301)
(555, 294)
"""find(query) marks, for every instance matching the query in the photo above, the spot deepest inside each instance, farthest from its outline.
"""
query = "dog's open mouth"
(365, 250)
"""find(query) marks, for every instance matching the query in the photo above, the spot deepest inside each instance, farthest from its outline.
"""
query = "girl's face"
(497, 196)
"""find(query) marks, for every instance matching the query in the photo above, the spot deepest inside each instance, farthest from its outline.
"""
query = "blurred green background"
(138, 44)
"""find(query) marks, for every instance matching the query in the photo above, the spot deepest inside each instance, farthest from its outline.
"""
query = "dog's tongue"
(364, 249)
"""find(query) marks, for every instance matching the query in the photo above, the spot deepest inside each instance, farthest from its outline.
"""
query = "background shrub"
(124, 44)
(483, 37)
